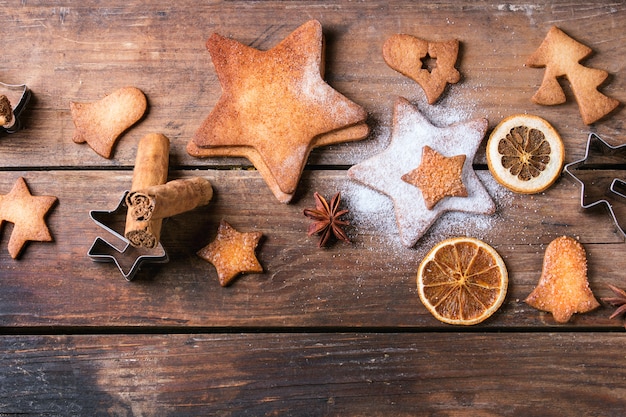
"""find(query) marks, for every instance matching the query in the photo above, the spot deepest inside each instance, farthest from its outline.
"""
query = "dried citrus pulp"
(462, 280)
(525, 153)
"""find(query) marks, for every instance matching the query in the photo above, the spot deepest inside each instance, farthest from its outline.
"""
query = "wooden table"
(336, 331)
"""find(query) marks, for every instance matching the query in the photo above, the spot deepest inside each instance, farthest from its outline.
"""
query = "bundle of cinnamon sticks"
(152, 198)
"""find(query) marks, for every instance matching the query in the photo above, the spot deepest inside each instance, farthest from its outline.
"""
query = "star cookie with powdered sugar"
(411, 133)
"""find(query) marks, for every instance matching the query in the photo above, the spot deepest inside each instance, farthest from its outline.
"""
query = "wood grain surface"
(338, 331)
(375, 374)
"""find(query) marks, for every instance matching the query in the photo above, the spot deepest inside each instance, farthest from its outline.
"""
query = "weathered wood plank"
(414, 365)
(403, 374)
(370, 282)
(79, 52)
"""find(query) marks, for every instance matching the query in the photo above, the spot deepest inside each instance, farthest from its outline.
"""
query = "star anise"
(327, 220)
(619, 301)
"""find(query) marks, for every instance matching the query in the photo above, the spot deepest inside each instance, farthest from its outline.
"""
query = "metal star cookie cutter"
(19, 108)
(126, 257)
(597, 175)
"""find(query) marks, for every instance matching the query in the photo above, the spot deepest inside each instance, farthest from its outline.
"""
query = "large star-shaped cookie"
(411, 132)
(275, 107)
(232, 253)
(27, 213)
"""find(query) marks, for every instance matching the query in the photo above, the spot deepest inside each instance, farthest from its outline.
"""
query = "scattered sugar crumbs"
(371, 211)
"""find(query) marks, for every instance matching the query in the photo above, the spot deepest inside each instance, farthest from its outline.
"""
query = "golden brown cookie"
(232, 253)
(560, 55)
(438, 176)
(101, 123)
(27, 213)
(407, 54)
(563, 288)
(275, 107)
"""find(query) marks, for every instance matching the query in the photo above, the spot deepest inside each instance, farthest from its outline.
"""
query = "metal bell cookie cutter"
(126, 257)
(599, 175)
(8, 89)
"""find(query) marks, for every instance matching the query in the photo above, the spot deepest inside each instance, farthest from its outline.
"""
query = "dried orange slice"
(462, 280)
(525, 153)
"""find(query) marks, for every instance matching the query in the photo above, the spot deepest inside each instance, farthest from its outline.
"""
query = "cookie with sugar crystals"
(395, 172)
(232, 253)
(438, 176)
(563, 288)
(275, 107)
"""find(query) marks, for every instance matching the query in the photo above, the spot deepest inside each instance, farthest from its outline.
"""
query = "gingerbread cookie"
(101, 123)
(232, 253)
(408, 55)
(27, 213)
(563, 288)
(423, 188)
(275, 107)
(438, 176)
(560, 55)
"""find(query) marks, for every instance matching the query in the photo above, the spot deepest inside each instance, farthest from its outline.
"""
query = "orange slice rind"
(462, 281)
(525, 154)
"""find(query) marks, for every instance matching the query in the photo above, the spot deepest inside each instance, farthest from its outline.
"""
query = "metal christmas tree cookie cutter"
(602, 176)
(12, 91)
(126, 257)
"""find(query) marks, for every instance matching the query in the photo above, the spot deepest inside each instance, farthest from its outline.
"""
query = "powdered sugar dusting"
(371, 211)
(447, 111)
(459, 223)
(374, 211)
(412, 131)
(442, 116)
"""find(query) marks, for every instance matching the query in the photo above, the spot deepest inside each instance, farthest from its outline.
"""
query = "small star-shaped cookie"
(438, 176)
(411, 132)
(275, 107)
(27, 213)
(232, 253)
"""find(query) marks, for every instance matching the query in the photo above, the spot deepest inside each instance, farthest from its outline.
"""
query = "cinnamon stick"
(169, 199)
(151, 166)
(6, 112)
